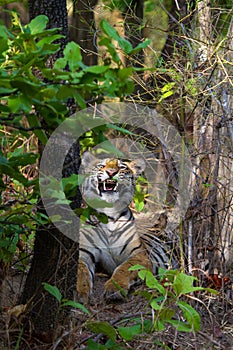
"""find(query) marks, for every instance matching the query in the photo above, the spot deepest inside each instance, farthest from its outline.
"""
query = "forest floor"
(216, 322)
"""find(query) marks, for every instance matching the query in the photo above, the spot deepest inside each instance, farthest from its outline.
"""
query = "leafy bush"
(167, 299)
(33, 103)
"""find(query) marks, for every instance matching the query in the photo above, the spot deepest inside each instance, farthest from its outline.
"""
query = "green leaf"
(98, 203)
(141, 46)
(3, 46)
(96, 69)
(168, 87)
(49, 40)
(137, 267)
(151, 281)
(6, 91)
(102, 217)
(128, 333)
(15, 19)
(118, 128)
(73, 180)
(38, 24)
(166, 95)
(95, 346)
(191, 315)
(19, 104)
(104, 328)
(3, 32)
(166, 314)
(159, 325)
(139, 206)
(183, 284)
(34, 122)
(124, 44)
(79, 99)
(75, 305)
(124, 73)
(72, 54)
(25, 85)
(127, 88)
(167, 274)
(60, 63)
(180, 326)
(3, 160)
(53, 290)
(14, 173)
(66, 92)
(155, 305)
(111, 49)
(24, 159)
(109, 30)
(49, 92)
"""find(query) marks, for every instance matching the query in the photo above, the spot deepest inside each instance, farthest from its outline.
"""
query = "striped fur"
(117, 244)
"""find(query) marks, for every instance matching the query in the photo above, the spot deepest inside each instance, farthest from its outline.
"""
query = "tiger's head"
(110, 183)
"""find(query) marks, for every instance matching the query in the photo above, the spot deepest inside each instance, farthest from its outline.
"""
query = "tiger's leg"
(122, 277)
(85, 280)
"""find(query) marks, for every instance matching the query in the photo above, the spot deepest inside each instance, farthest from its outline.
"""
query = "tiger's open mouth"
(107, 186)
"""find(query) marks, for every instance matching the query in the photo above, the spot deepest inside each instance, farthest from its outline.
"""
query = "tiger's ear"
(137, 166)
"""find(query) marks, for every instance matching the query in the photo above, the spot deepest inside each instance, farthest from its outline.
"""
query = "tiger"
(115, 245)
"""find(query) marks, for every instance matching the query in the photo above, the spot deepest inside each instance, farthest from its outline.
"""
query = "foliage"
(141, 193)
(27, 85)
(125, 45)
(34, 100)
(55, 292)
(167, 299)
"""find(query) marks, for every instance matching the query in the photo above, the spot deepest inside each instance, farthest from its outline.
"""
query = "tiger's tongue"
(109, 186)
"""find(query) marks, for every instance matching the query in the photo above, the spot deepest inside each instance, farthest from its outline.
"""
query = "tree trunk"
(223, 109)
(212, 236)
(133, 26)
(178, 18)
(55, 256)
(83, 30)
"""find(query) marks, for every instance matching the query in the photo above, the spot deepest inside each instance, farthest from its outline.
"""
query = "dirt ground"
(216, 322)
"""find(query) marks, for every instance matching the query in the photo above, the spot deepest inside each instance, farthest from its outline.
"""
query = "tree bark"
(55, 256)
(83, 30)
(133, 26)
(212, 233)
(55, 10)
(224, 135)
(178, 19)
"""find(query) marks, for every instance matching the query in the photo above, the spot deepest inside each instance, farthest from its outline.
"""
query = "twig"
(19, 127)
(210, 339)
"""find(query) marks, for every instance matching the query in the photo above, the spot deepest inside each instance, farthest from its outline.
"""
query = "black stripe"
(89, 253)
(135, 248)
(131, 238)
(92, 275)
(125, 245)
(125, 212)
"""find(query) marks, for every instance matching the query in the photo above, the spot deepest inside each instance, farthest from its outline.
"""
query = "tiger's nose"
(111, 172)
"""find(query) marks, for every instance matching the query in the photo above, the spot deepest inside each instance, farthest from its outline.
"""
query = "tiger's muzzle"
(107, 186)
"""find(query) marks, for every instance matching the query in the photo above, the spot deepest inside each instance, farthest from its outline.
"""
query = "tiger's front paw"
(84, 283)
